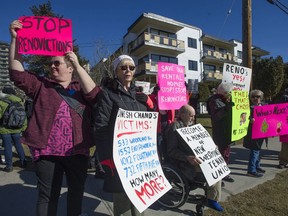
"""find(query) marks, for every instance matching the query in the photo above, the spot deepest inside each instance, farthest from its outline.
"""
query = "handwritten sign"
(270, 120)
(42, 35)
(172, 93)
(199, 140)
(238, 75)
(136, 159)
(144, 85)
(240, 114)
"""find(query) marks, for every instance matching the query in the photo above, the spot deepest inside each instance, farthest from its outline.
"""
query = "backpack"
(14, 115)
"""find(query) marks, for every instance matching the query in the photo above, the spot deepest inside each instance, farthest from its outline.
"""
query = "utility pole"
(247, 34)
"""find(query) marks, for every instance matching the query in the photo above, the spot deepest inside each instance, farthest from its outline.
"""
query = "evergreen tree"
(39, 64)
(268, 76)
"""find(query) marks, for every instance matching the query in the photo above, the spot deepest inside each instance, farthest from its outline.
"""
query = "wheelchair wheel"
(179, 192)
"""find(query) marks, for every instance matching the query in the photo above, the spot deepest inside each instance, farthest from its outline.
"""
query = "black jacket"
(112, 97)
(221, 119)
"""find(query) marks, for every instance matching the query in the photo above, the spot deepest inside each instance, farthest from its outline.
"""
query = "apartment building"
(153, 38)
(4, 73)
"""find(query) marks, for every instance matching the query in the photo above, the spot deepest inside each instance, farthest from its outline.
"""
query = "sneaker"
(8, 169)
(260, 170)
(214, 205)
(228, 179)
(254, 174)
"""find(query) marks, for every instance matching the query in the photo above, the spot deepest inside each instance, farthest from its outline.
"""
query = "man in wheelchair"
(180, 153)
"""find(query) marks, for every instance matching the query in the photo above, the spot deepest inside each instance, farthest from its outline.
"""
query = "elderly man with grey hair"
(220, 107)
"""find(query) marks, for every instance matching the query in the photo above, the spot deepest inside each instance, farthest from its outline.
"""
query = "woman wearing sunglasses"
(119, 92)
(254, 168)
(58, 137)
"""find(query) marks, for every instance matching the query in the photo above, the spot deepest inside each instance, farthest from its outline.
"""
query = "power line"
(227, 15)
(280, 5)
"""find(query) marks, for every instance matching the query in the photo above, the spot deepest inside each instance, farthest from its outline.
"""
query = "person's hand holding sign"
(193, 160)
(16, 24)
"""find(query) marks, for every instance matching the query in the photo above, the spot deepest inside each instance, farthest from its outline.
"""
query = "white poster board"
(136, 159)
(199, 140)
(145, 85)
(238, 75)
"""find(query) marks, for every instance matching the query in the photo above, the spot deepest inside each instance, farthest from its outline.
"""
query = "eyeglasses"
(56, 63)
(125, 67)
(256, 96)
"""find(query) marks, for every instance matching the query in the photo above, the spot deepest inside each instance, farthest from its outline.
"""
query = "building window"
(239, 54)
(160, 58)
(223, 51)
(193, 65)
(192, 42)
(208, 47)
(209, 68)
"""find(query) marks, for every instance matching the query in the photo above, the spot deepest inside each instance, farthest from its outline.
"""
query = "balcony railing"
(154, 39)
(147, 66)
(219, 55)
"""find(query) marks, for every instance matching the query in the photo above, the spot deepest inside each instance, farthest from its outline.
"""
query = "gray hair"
(256, 92)
(224, 88)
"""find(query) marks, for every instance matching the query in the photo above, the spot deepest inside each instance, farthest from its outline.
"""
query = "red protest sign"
(45, 36)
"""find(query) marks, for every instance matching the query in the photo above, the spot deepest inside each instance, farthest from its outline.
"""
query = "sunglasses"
(56, 63)
(125, 67)
(256, 96)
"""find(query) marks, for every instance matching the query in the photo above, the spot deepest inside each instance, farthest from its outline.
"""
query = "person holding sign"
(57, 135)
(180, 152)
(254, 169)
(220, 107)
(119, 92)
(283, 154)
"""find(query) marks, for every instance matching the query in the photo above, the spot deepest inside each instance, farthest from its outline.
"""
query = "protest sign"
(238, 75)
(199, 140)
(136, 159)
(270, 120)
(240, 114)
(42, 35)
(144, 85)
(172, 93)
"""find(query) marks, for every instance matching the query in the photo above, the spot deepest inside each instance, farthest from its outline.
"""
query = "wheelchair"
(179, 194)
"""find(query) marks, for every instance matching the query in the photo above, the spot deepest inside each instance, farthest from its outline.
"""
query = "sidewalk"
(18, 188)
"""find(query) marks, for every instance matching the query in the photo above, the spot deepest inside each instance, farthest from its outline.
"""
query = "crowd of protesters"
(59, 138)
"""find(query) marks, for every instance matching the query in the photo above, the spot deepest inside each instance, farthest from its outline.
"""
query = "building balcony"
(212, 75)
(156, 43)
(150, 68)
(209, 56)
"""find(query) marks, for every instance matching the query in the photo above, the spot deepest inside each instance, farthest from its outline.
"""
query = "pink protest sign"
(270, 120)
(45, 36)
(172, 93)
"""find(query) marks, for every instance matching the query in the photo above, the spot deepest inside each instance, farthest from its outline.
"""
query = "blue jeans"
(254, 161)
(7, 143)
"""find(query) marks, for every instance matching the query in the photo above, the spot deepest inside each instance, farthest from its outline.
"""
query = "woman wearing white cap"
(119, 92)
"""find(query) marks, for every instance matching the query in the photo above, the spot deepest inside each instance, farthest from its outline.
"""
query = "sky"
(106, 22)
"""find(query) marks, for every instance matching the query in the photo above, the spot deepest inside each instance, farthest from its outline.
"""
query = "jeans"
(50, 171)
(254, 161)
(7, 143)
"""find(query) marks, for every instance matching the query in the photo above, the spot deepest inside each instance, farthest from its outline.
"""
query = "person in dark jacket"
(254, 169)
(220, 107)
(119, 92)
(180, 153)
